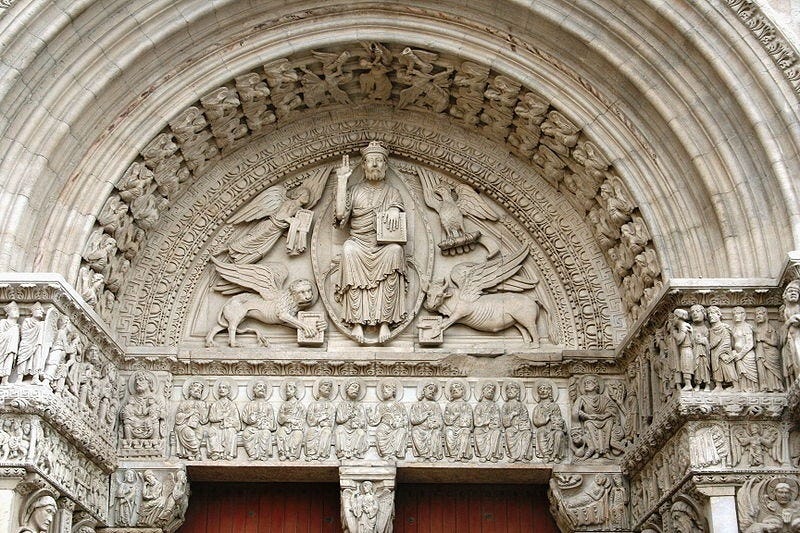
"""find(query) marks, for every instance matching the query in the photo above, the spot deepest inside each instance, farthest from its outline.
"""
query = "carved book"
(386, 236)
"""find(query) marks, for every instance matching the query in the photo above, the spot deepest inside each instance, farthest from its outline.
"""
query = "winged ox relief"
(491, 297)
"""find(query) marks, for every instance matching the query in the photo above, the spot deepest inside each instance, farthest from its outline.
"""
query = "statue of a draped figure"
(372, 283)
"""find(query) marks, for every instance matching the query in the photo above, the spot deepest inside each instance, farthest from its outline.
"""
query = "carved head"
(738, 314)
(353, 390)
(436, 294)
(325, 388)
(783, 493)
(41, 512)
(545, 391)
(512, 390)
(792, 292)
(130, 476)
(142, 382)
(698, 313)
(761, 315)
(37, 311)
(389, 389)
(488, 391)
(376, 158)
(12, 310)
(714, 314)
(259, 389)
(366, 487)
(430, 390)
(456, 390)
(302, 292)
(300, 193)
(196, 390)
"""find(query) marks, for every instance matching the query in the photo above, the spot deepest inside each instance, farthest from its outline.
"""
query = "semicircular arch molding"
(579, 284)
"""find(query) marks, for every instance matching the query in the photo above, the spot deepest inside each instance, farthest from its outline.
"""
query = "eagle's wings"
(266, 279)
(474, 279)
(472, 204)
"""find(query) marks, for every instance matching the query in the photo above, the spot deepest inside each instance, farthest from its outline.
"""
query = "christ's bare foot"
(384, 333)
(358, 333)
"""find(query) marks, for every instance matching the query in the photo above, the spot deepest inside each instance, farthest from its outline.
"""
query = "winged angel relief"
(367, 510)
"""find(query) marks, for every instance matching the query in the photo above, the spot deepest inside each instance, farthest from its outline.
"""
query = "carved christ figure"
(372, 283)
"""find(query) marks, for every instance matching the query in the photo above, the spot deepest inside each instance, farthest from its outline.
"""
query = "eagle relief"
(370, 249)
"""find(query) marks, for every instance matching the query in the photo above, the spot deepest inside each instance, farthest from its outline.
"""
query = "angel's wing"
(473, 279)
(747, 503)
(349, 520)
(266, 279)
(326, 57)
(776, 448)
(472, 204)
(50, 329)
(385, 511)
(430, 182)
(261, 206)
(315, 183)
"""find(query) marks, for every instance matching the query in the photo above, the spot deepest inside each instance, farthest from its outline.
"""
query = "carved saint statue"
(153, 499)
(144, 412)
(744, 351)
(426, 423)
(190, 420)
(365, 510)
(517, 423)
(38, 515)
(291, 420)
(224, 422)
(488, 428)
(682, 345)
(768, 354)
(702, 355)
(723, 362)
(550, 426)
(756, 445)
(458, 422)
(351, 422)
(320, 417)
(125, 497)
(372, 283)
(258, 419)
(9, 340)
(391, 420)
(600, 434)
(37, 334)
(790, 312)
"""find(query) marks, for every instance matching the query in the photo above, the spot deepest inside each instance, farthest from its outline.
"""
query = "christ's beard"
(374, 174)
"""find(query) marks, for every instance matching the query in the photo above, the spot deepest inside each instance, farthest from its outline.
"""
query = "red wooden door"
(263, 508)
(432, 508)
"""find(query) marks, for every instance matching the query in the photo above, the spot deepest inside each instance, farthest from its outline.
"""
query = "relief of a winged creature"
(273, 304)
(490, 297)
(276, 210)
(454, 202)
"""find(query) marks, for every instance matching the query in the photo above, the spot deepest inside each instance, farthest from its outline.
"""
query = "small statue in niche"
(426, 423)
(464, 298)
(191, 419)
(321, 417)
(744, 351)
(599, 433)
(351, 422)
(768, 354)
(144, 412)
(458, 421)
(702, 361)
(152, 499)
(224, 422)
(790, 312)
(276, 210)
(550, 426)
(125, 497)
(39, 515)
(681, 333)
(754, 445)
(517, 423)
(272, 305)
(723, 362)
(9, 340)
(291, 422)
(258, 419)
(488, 430)
(391, 419)
(372, 281)
(365, 510)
